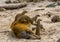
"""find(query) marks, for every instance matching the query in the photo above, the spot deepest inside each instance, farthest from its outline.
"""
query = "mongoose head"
(38, 21)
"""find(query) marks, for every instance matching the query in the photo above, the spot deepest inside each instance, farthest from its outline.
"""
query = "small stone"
(55, 19)
(58, 40)
(2, 9)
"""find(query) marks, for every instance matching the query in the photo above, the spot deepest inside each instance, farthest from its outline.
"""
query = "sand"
(52, 30)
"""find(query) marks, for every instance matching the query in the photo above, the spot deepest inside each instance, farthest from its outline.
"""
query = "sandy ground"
(52, 30)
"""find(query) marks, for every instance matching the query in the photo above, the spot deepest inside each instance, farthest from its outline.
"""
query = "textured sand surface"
(52, 30)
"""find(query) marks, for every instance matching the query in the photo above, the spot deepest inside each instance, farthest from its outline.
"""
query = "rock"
(13, 6)
(11, 1)
(55, 19)
(2, 9)
(58, 3)
(58, 40)
(39, 9)
(52, 5)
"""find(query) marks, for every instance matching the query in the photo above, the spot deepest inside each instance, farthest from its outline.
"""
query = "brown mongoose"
(18, 15)
(38, 27)
(35, 18)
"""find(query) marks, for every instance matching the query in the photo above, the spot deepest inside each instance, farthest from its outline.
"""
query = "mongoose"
(18, 15)
(38, 27)
(21, 26)
(35, 18)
